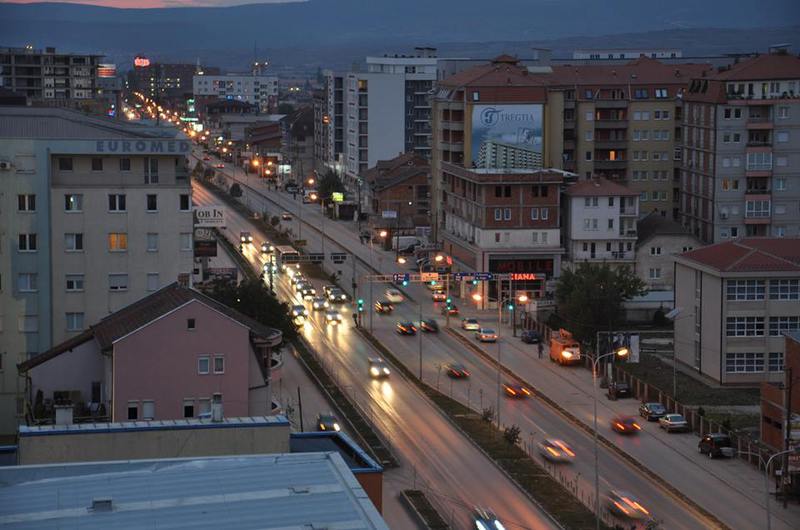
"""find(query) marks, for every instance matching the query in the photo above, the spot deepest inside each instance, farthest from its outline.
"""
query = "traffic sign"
(338, 257)
(429, 276)
(401, 277)
(316, 257)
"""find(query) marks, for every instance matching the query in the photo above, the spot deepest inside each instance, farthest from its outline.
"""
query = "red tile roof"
(765, 66)
(756, 254)
(599, 187)
(641, 71)
(502, 71)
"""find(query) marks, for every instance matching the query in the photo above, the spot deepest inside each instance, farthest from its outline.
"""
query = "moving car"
(486, 520)
(326, 289)
(625, 424)
(219, 165)
(406, 328)
(470, 324)
(438, 296)
(336, 295)
(486, 335)
(206, 158)
(619, 389)
(327, 422)
(286, 216)
(452, 311)
(623, 504)
(516, 390)
(296, 277)
(530, 336)
(308, 292)
(319, 303)
(245, 237)
(394, 296)
(429, 325)
(456, 370)
(383, 307)
(378, 368)
(651, 411)
(333, 317)
(299, 311)
(266, 248)
(291, 187)
(556, 450)
(716, 444)
(673, 423)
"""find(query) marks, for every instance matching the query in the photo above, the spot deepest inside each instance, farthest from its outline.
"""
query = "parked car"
(673, 423)
(394, 296)
(556, 450)
(625, 424)
(516, 390)
(327, 422)
(383, 307)
(623, 504)
(286, 216)
(486, 335)
(715, 445)
(619, 389)
(406, 328)
(456, 370)
(530, 336)
(651, 411)
(429, 325)
(470, 324)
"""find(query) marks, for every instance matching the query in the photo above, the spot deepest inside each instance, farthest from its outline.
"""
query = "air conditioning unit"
(5, 165)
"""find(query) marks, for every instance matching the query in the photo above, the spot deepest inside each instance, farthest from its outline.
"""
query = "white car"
(319, 303)
(556, 450)
(333, 318)
(486, 335)
(470, 324)
(394, 296)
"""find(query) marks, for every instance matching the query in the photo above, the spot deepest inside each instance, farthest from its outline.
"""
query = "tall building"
(254, 88)
(741, 143)
(167, 82)
(332, 116)
(94, 214)
(47, 75)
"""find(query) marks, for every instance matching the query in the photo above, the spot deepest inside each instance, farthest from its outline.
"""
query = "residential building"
(254, 88)
(94, 214)
(774, 400)
(167, 356)
(738, 298)
(48, 76)
(600, 222)
(333, 121)
(659, 241)
(400, 185)
(297, 145)
(322, 138)
(503, 221)
(271, 491)
(170, 83)
(626, 53)
(741, 149)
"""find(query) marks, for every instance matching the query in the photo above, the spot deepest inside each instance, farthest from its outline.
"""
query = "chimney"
(64, 414)
(216, 407)
(102, 504)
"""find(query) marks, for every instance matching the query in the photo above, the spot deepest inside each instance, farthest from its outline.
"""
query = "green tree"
(252, 298)
(591, 297)
(329, 183)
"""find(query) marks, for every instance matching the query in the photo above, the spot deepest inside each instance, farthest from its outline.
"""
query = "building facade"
(400, 185)
(256, 89)
(47, 75)
(659, 241)
(775, 403)
(737, 299)
(95, 215)
(741, 144)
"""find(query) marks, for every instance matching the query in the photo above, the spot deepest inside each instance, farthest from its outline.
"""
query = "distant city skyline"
(156, 4)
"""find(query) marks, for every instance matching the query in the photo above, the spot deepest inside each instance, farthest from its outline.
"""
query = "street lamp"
(401, 260)
(477, 297)
(766, 476)
(619, 352)
(522, 298)
(383, 233)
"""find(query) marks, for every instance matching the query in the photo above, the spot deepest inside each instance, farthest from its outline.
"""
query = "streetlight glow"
(383, 233)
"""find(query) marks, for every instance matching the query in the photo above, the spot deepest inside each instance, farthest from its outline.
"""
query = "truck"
(564, 349)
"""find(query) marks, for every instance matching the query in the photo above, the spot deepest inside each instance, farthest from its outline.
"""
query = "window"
(117, 282)
(26, 203)
(744, 362)
(655, 251)
(589, 136)
(782, 136)
(640, 93)
(97, 164)
(497, 237)
(74, 282)
(507, 191)
(190, 323)
(152, 203)
(188, 408)
(737, 113)
(27, 282)
(734, 231)
(152, 281)
(74, 321)
(73, 242)
(594, 224)
(498, 191)
(219, 364)
(186, 241)
(729, 184)
(775, 363)
(203, 365)
(737, 138)
(65, 164)
(151, 170)
(28, 324)
(588, 155)
(780, 184)
(507, 214)
(645, 115)
(498, 214)
(611, 224)
(73, 202)
(148, 410)
(655, 273)
(133, 410)
(783, 113)
(27, 242)
(744, 327)
(152, 242)
(726, 113)
(534, 214)
(589, 116)
(784, 289)
(124, 164)
(759, 161)
(117, 242)
(545, 214)
(116, 202)
(205, 406)
(737, 290)
(757, 208)
(184, 204)
(780, 325)
(643, 196)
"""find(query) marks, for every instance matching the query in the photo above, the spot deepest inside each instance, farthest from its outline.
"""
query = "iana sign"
(209, 216)
(143, 146)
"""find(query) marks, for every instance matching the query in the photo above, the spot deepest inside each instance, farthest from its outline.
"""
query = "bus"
(285, 255)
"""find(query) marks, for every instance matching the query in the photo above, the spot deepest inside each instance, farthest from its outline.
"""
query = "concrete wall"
(670, 245)
(73, 370)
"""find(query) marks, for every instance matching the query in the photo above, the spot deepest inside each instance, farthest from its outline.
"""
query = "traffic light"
(360, 305)
(405, 283)
(474, 282)
(449, 302)
(433, 282)
(511, 306)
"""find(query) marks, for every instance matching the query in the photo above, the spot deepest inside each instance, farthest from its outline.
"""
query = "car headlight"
(386, 371)
(567, 355)
(336, 427)
(322, 426)
(374, 371)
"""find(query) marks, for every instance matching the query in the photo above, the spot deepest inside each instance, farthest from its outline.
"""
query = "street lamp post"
(622, 352)
(766, 477)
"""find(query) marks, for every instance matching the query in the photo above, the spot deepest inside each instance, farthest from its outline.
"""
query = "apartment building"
(95, 214)
(400, 185)
(166, 82)
(47, 75)
(332, 122)
(504, 221)
(659, 240)
(741, 142)
(254, 88)
(608, 54)
(738, 299)
(600, 222)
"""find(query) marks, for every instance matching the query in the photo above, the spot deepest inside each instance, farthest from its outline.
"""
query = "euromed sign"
(142, 146)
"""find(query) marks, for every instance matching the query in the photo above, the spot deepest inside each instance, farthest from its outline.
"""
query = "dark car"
(291, 187)
(619, 389)
(531, 336)
(406, 328)
(453, 311)
(384, 307)
(715, 445)
(327, 422)
(456, 370)
(651, 411)
(625, 425)
(429, 325)
(516, 390)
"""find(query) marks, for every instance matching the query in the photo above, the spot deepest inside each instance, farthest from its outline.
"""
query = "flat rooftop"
(280, 491)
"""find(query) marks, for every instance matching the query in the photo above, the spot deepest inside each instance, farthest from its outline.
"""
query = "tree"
(236, 190)
(591, 297)
(252, 298)
(328, 184)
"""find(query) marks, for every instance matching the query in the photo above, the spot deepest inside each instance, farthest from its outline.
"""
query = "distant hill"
(343, 23)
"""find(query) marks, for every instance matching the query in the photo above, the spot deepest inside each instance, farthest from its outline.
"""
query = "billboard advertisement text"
(507, 136)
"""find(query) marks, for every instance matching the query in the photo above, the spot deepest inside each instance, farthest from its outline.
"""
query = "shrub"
(236, 190)
(488, 415)
(512, 434)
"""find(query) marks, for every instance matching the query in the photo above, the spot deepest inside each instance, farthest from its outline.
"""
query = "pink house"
(164, 357)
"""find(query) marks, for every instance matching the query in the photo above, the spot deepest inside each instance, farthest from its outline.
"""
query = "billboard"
(209, 216)
(107, 70)
(141, 62)
(507, 136)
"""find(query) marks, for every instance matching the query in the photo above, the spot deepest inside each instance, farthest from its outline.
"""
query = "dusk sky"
(142, 4)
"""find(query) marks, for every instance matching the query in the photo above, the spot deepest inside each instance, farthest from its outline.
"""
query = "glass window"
(148, 410)
(73, 202)
(117, 282)
(27, 282)
(545, 214)
(776, 361)
(124, 164)
(784, 289)
(117, 242)
(184, 204)
(534, 214)
(151, 170)
(188, 408)
(152, 281)
(26, 203)
(219, 364)
(65, 164)
(498, 214)
(152, 202)
(507, 214)
(747, 362)
(745, 290)
(27, 243)
(781, 325)
(744, 327)
(133, 410)
(152, 242)
(186, 241)
(203, 364)
(97, 164)
(116, 202)
(74, 282)
(655, 273)
(74, 321)
(73, 242)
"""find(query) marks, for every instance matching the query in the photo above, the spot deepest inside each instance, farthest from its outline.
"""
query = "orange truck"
(564, 349)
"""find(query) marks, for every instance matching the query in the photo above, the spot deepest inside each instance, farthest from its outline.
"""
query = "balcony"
(610, 143)
(759, 123)
(627, 233)
(611, 124)
(628, 211)
(759, 142)
(453, 125)
(611, 104)
(457, 147)
(610, 164)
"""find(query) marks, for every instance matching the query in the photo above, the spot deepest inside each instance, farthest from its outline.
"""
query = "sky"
(143, 4)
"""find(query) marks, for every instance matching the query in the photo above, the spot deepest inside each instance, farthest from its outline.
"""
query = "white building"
(261, 90)
(94, 214)
(601, 222)
(631, 53)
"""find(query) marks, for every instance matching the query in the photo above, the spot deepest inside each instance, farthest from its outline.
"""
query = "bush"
(236, 190)
(659, 318)
(488, 415)
(701, 411)
(275, 221)
(512, 434)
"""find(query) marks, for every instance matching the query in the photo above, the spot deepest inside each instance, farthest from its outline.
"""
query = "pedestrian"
(355, 319)
(540, 348)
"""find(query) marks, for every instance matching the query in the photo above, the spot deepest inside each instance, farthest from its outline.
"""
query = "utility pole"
(786, 434)
(300, 406)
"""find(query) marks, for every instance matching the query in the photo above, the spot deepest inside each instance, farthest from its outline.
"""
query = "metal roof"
(281, 491)
(58, 123)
